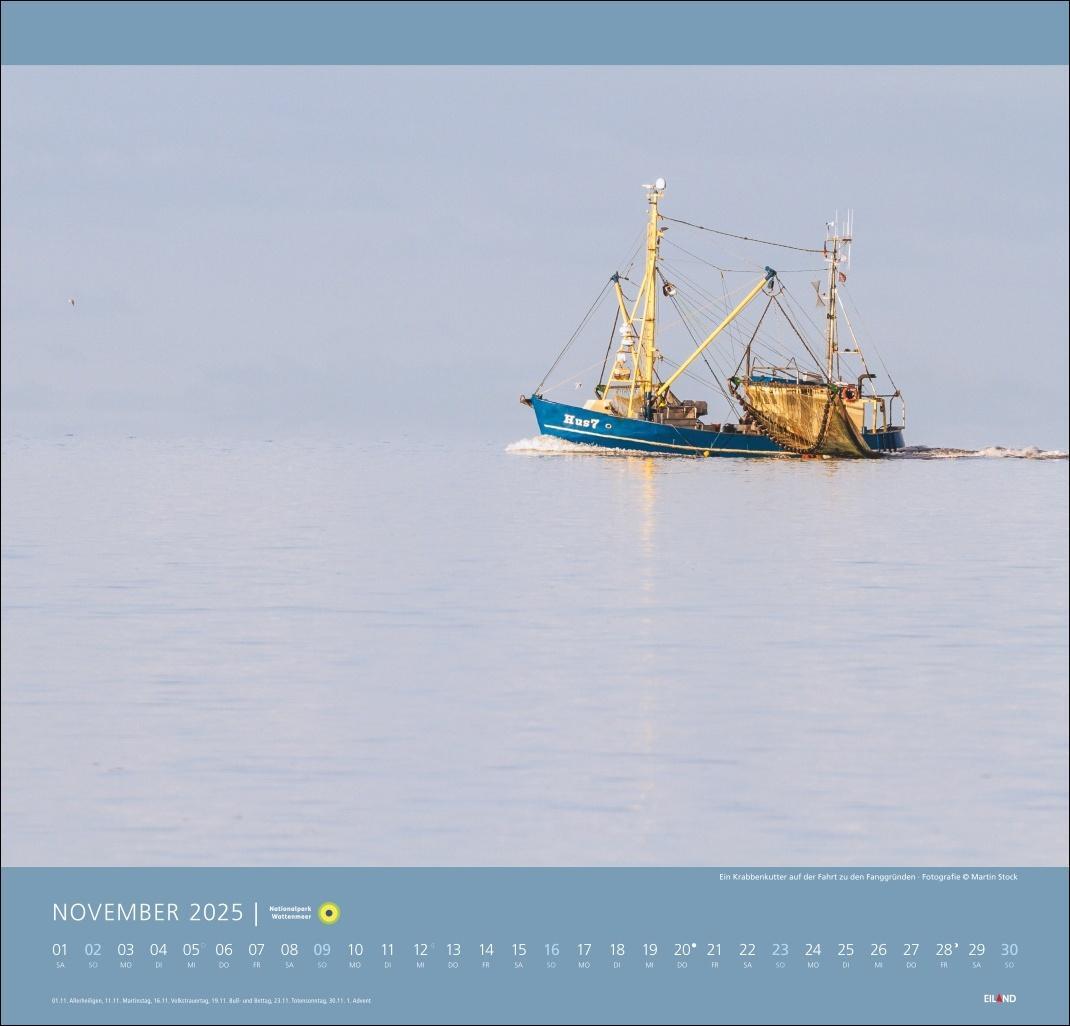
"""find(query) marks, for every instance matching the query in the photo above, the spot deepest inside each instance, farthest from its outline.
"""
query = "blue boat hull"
(586, 427)
(885, 441)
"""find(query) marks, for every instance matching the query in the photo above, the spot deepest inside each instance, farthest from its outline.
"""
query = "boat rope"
(741, 270)
(735, 327)
(747, 349)
(575, 334)
(694, 338)
(572, 377)
(742, 238)
(692, 376)
(854, 337)
(713, 303)
(637, 243)
(709, 263)
(609, 346)
(716, 312)
(858, 313)
(708, 306)
(801, 311)
(799, 334)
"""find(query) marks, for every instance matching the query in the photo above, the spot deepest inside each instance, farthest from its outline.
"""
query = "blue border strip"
(826, 945)
(628, 32)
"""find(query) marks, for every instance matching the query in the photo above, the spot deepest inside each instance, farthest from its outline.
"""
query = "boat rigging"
(784, 402)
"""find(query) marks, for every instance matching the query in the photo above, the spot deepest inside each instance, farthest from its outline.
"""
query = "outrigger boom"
(746, 301)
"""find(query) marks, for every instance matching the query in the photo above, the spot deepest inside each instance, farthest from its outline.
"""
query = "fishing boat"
(783, 400)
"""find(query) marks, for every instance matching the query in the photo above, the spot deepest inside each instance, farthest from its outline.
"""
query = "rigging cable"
(713, 303)
(713, 374)
(742, 238)
(594, 306)
(854, 337)
(817, 363)
(573, 379)
(637, 243)
(732, 328)
(709, 263)
(609, 346)
(861, 321)
(795, 304)
(738, 270)
(752, 338)
(713, 309)
(800, 309)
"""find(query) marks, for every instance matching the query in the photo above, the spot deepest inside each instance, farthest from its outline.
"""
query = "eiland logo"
(1000, 999)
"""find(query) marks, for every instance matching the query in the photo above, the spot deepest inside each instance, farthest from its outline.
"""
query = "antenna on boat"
(837, 250)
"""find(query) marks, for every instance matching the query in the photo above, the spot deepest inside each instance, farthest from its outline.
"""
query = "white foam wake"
(549, 445)
(992, 452)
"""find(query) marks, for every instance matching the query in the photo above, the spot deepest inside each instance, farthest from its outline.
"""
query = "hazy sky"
(402, 251)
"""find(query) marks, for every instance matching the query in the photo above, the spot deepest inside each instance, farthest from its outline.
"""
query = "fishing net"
(804, 418)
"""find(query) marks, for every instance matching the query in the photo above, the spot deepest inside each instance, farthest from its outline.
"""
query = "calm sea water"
(326, 653)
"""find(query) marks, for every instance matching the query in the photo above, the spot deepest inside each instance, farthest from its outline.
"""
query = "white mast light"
(659, 184)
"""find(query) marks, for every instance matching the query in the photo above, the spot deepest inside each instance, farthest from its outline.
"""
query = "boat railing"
(790, 373)
(879, 412)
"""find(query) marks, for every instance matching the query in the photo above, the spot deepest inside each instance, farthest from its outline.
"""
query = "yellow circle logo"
(329, 912)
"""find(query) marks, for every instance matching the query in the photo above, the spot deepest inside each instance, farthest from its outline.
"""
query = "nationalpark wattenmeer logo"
(329, 913)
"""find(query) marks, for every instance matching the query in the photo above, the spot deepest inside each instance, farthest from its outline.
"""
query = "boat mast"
(643, 381)
(831, 354)
(832, 345)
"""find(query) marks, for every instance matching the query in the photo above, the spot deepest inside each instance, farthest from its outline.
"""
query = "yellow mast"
(640, 395)
(645, 395)
(647, 349)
